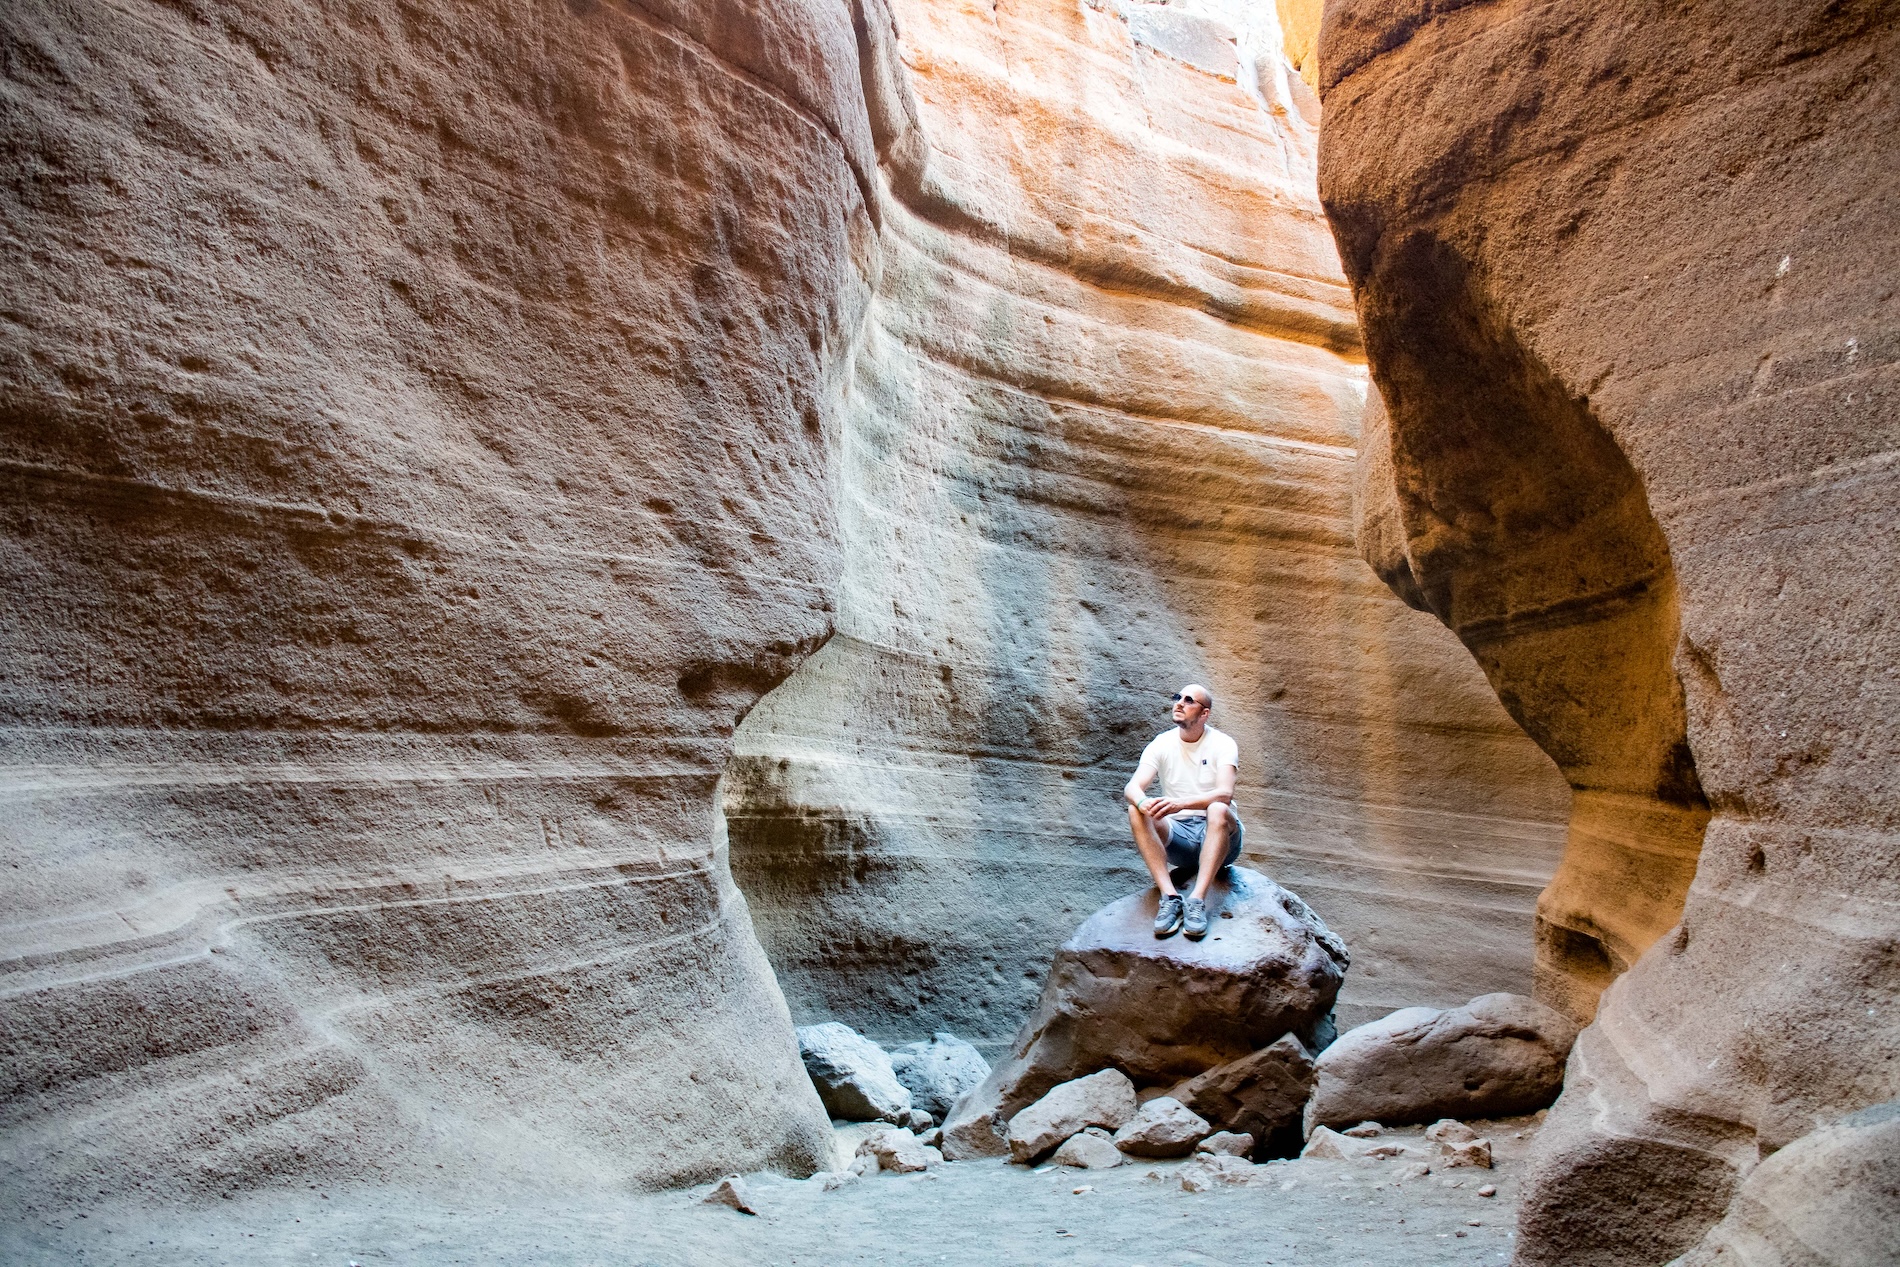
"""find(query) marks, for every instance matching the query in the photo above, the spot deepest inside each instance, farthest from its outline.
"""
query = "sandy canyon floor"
(1317, 1213)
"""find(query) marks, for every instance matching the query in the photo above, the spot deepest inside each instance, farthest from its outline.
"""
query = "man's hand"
(1161, 807)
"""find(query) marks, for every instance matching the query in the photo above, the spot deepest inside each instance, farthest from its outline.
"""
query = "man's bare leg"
(1214, 851)
(1153, 851)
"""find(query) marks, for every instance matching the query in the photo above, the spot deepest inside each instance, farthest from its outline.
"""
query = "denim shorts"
(1187, 835)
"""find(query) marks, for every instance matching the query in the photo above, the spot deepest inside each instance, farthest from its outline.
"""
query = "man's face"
(1190, 704)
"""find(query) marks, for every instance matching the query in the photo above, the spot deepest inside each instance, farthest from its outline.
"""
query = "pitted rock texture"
(939, 1072)
(415, 425)
(1624, 273)
(1100, 442)
(1160, 1010)
(1499, 1055)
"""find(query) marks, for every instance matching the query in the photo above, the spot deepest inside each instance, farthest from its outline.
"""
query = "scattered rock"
(1498, 1055)
(1417, 1170)
(1489, 1190)
(832, 1180)
(1448, 1130)
(1161, 1011)
(852, 1074)
(919, 1121)
(898, 1151)
(932, 1138)
(1328, 1143)
(863, 1164)
(940, 1072)
(1465, 1152)
(1101, 1099)
(1233, 1143)
(1262, 1094)
(1365, 1130)
(1090, 1150)
(1203, 1171)
(1162, 1127)
(731, 1191)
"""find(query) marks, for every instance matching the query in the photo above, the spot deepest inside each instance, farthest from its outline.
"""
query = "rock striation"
(1622, 271)
(1158, 1011)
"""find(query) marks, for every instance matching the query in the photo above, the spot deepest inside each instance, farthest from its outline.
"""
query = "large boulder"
(1104, 1099)
(853, 1075)
(1497, 1055)
(1162, 1010)
(940, 1072)
(1263, 1094)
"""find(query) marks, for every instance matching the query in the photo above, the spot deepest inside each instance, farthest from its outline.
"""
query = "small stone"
(1449, 1130)
(1473, 1223)
(1204, 1170)
(731, 1191)
(832, 1180)
(920, 1121)
(1476, 1152)
(1365, 1130)
(1233, 1143)
(1417, 1170)
(863, 1164)
(933, 1138)
(1088, 1151)
(900, 1152)
(1087, 1187)
(1489, 1190)
(1162, 1127)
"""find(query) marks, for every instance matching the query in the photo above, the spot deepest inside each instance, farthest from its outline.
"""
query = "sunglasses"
(1185, 699)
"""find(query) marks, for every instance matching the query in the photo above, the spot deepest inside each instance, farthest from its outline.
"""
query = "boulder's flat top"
(1316, 1213)
(1257, 930)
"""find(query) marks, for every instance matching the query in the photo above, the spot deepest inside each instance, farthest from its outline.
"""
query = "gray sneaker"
(1193, 918)
(1168, 917)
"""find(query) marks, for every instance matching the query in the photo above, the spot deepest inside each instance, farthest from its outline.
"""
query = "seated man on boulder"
(1192, 823)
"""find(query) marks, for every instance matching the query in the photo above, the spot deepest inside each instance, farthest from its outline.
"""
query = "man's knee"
(1220, 812)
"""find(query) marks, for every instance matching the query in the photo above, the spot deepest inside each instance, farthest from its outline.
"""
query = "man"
(1192, 823)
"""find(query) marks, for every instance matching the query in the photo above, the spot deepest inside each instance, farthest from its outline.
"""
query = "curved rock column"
(415, 422)
(1624, 272)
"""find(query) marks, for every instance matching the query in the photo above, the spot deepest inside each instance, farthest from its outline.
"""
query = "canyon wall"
(1100, 442)
(1625, 273)
(417, 444)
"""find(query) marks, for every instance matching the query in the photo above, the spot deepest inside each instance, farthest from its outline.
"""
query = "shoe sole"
(1170, 930)
(1191, 935)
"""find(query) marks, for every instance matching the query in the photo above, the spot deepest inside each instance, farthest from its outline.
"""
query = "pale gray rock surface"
(1498, 1055)
(1091, 1149)
(1205, 1171)
(1162, 1127)
(1233, 1143)
(1160, 1010)
(939, 1072)
(853, 1074)
(1104, 1099)
(899, 1151)
(1263, 1094)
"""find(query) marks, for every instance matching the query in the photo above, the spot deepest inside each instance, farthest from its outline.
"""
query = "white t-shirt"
(1188, 770)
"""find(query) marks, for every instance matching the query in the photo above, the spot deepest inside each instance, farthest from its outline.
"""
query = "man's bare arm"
(1137, 789)
(1223, 791)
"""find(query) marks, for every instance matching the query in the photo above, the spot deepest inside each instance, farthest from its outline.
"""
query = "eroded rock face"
(1262, 1095)
(1162, 1010)
(1622, 275)
(1100, 442)
(1497, 1056)
(415, 447)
